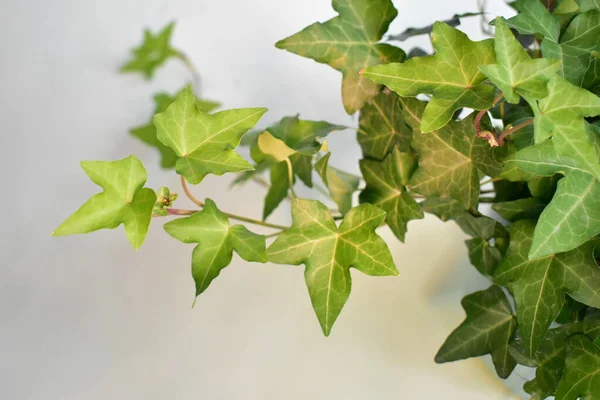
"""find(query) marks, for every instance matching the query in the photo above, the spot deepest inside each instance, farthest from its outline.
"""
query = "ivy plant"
(511, 121)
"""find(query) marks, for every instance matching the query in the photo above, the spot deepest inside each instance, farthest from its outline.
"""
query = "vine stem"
(192, 68)
(481, 114)
(200, 204)
(513, 130)
(290, 171)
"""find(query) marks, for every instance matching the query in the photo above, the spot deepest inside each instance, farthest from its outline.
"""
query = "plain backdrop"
(87, 317)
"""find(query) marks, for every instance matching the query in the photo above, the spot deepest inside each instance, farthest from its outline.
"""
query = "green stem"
(193, 70)
(290, 170)
(200, 204)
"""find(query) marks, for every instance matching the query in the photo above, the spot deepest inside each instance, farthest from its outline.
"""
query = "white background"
(87, 317)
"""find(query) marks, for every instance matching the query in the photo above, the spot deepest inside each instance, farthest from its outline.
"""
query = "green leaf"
(449, 159)
(571, 219)
(532, 387)
(538, 160)
(561, 116)
(488, 243)
(386, 188)
(147, 133)
(529, 208)
(488, 328)
(586, 5)
(551, 355)
(576, 44)
(215, 240)
(349, 43)
(534, 18)
(203, 142)
(516, 74)
(382, 126)
(301, 135)
(279, 188)
(152, 53)
(123, 201)
(443, 208)
(328, 252)
(451, 76)
(340, 184)
(581, 378)
(539, 286)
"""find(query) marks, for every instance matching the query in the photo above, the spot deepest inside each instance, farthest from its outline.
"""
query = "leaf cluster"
(511, 120)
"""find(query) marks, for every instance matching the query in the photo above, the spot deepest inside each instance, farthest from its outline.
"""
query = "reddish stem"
(481, 114)
(513, 130)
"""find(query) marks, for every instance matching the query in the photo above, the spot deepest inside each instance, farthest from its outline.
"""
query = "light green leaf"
(215, 240)
(488, 329)
(539, 286)
(204, 143)
(349, 43)
(302, 135)
(147, 133)
(561, 116)
(538, 160)
(451, 76)
(340, 184)
(382, 126)
(586, 5)
(449, 159)
(576, 44)
(386, 188)
(516, 74)
(152, 53)
(328, 252)
(123, 201)
(534, 18)
(581, 378)
(571, 219)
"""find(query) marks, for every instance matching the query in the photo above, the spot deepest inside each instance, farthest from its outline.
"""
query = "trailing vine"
(511, 121)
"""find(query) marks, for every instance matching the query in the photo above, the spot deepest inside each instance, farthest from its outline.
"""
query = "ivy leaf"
(340, 184)
(386, 189)
(215, 240)
(576, 44)
(443, 207)
(539, 286)
(534, 18)
(529, 208)
(279, 188)
(488, 243)
(152, 53)
(204, 143)
(516, 74)
(581, 378)
(449, 159)
(551, 355)
(488, 328)
(147, 133)
(301, 135)
(451, 76)
(532, 387)
(586, 5)
(572, 218)
(328, 252)
(538, 160)
(349, 43)
(123, 201)
(561, 116)
(382, 126)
